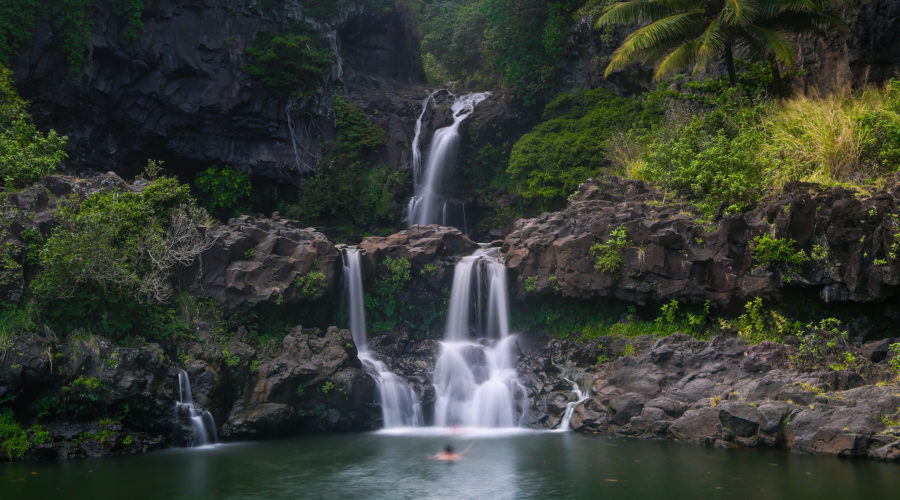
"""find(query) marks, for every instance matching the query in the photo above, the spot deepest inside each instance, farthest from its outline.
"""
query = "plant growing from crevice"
(768, 251)
(608, 255)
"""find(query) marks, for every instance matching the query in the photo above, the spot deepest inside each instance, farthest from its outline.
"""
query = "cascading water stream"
(565, 423)
(428, 205)
(475, 378)
(400, 406)
(203, 426)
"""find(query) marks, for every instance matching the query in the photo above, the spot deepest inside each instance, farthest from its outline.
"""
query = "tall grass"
(833, 138)
(729, 153)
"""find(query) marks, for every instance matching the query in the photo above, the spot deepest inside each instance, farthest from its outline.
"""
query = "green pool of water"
(524, 465)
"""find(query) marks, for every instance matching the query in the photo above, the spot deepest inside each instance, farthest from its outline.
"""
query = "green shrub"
(767, 251)
(310, 285)
(110, 258)
(293, 63)
(571, 144)
(895, 360)
(26, 154)
(225, 190)
(609, 255)
(13, 438)
(759, 324)
(383, 300)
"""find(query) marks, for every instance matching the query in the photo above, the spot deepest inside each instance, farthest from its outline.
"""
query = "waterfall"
(203, 427)
(427, 205)
(475, 378)
(400, 406)
(566, 420)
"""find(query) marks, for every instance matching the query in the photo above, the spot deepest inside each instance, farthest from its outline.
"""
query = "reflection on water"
(396, 465)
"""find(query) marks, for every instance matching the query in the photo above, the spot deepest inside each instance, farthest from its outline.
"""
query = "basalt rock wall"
(178, 93)
(848, 240)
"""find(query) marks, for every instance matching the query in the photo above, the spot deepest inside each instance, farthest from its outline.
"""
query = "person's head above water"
(448, 449)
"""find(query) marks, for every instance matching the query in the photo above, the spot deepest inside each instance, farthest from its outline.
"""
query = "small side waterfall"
(566, 420)
(429, 205)
(202, 425)
(475, 378)
(400, 406)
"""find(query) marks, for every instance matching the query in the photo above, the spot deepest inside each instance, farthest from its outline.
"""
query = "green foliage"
(531, 284)
(231, 360)
(293, 63)
(895, 359)
(26, 154)
(629, 350)
(383, 301)
(609, 255)
(311, 285)
(110, 258)
(768, 251)
(346, 188)
(759, 324)
(672, 317)
(483, 42)
(15, 440)
(571, 144)
(225, 190)
(824, 343)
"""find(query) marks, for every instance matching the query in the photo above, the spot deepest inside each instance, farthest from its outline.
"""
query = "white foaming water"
(202, 423)
(400, 406)
(475, 378)
(427, 205)
(565, 422)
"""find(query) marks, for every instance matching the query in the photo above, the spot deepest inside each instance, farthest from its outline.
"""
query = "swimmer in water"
(448, 455)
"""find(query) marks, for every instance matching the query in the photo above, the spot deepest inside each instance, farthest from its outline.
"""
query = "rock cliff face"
(178, 93)
(669, 255)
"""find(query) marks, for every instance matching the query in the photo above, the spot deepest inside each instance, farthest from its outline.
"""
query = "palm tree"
(693, 33)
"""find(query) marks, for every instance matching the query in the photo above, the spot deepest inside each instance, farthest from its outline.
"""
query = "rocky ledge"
(671, 254)
(721, 392)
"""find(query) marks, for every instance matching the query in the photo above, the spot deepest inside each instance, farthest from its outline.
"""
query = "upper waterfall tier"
(429, 204)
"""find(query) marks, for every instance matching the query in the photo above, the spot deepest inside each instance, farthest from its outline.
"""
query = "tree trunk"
(729, 63)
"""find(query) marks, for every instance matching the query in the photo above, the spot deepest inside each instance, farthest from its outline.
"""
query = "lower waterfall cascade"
(400, 406)
(202, 425)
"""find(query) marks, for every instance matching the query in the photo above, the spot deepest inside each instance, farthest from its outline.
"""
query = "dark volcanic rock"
(672, 256)
(258, 261)
(179, 90)
(314, 371)
(686, 389)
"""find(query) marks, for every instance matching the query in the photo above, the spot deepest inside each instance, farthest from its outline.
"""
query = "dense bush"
(293, 63)
(225, 190)
(114, 253)
(571, 144)
(26, 154)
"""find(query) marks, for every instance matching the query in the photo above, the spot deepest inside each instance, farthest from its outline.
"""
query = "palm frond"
(634, 11)
(737, 12)
(667, 32)
(771, 42)
(683, 57)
